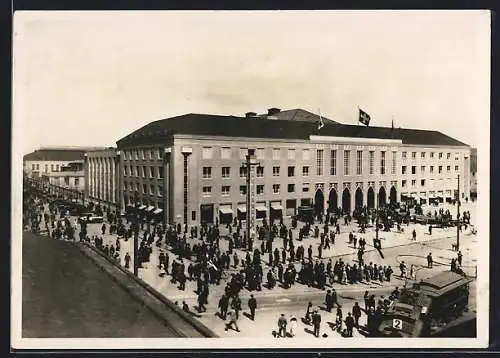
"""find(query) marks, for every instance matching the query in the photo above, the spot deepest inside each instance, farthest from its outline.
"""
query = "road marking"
(283, 300)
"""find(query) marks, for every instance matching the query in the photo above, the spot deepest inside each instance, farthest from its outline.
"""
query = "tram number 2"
(397, 323)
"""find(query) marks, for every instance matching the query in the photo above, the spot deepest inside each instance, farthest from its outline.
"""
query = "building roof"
(301, 115)
(281, 128)
(64, 155)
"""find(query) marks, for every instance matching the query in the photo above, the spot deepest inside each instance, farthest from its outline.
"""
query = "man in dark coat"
(252, 305)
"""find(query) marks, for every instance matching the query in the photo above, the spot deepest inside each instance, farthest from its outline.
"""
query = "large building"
(473, 173)
(190, 168)
(102, 168)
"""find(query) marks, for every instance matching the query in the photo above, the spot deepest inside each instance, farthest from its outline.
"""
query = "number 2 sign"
(397, 323)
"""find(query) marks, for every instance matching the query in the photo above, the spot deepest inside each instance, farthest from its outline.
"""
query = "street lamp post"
(458, 212)
(250, 163)
(135, 223)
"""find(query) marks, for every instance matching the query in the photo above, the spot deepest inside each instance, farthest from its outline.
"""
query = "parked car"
(91, 218)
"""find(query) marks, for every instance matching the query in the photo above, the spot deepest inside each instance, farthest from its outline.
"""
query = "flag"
(364, 117)
(320, 123)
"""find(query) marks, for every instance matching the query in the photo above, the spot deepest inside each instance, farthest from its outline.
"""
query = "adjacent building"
(190, 168)
(473, 173)
(102, 169)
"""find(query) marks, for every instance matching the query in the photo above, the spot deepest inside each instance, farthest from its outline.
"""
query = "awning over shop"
(226, 210)
(414, 195)
(423, 195)
(276, 206)
(158, 211)
(260, 207)
(142, 207)
(242, 208)
(149, 208)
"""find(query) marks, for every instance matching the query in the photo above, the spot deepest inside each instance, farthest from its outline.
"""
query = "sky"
(90, 78)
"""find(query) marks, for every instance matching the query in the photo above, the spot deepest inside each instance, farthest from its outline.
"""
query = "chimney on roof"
(250, 114)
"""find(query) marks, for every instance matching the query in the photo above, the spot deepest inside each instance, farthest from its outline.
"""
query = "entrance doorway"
(370, 198)
(207, 213)
(393, 196)
(346, 201)
(319, 202)
(358, 199)
(332, 201)
(381, 197)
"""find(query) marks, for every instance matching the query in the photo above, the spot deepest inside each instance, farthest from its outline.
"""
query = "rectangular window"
(152, 189)
(158, 154)
(372, 162)
(393, 167)
(207, 190)
(160, 191)
(359, 162)
(144, 189)
(276, 188)
(77, 181)
(319, 162)
(206, 153)
(403, 169)
(52, 167)
(38, 167)
(403, 155)
(260, 189)
(207, 172)
(305, 171)
(291, 188)
(432, 154)
(259, 153)
(413, 182)
(66, 179)
(243, 153)
(152, 154)
(225, 153)
(382, 162)
(305, 187)
(448, 168)
(403, 183)
(306, 154)
(291, 171)
(160, 172)
(136, 154)
(225, 190)
(422, 182)
(422, 155)
(333, 162)
(440, 169)
(33, 166)
(193, 215)
(144, 171)
(413, 169)
(413, 155)
(152, 170)
(291, 154)
(243, 171)
(431, 169)
(347, 161)
(125, 185)
(276, 154)
(226, 172)
(138, 170)
(422, 169)
(448, 155)
(276, 171)
(243, 190)
(46, 168)
(440, 156)
(57, 167)
(125, 171)
(260, 171)
(456, 168)
(143, 154)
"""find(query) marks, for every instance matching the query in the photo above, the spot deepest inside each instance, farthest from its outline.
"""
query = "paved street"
(397, 247)
(66, 296)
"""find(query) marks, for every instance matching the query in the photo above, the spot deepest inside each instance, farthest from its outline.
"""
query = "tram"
(427, 307)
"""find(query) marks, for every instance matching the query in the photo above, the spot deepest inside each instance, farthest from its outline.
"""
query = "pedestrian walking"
(356, 312)
(127, 260)
(316, 321)
(429, 260)
(414, 235)
(293, 325)
(282, 322)
(459, 258)
(349, 323)
(232, 321)
(252, 305)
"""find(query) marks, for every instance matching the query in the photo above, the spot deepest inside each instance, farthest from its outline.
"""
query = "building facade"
(70, 176)
(191, 168)
(102, 169)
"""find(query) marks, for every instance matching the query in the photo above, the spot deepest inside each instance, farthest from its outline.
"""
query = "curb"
(203, 330)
